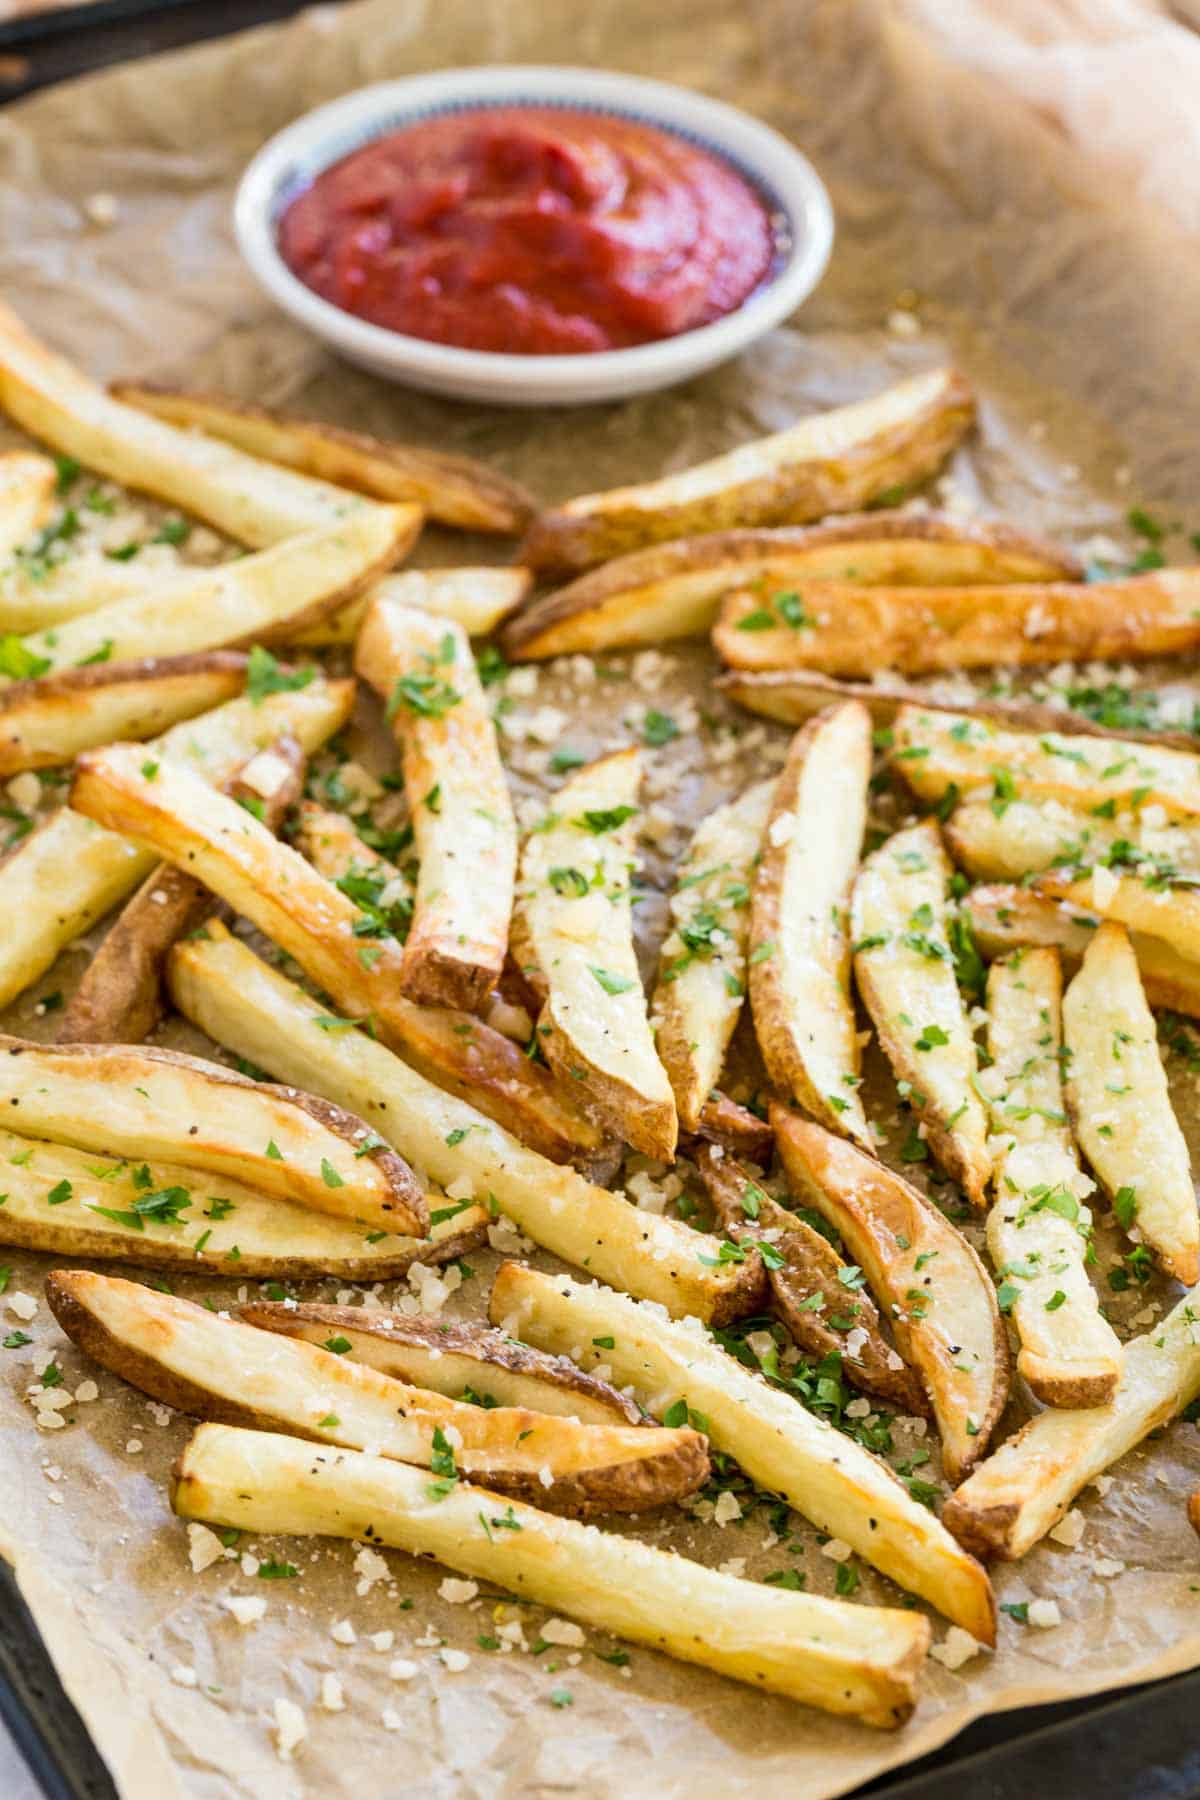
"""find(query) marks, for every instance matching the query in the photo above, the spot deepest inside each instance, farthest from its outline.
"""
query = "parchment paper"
(1074, 309)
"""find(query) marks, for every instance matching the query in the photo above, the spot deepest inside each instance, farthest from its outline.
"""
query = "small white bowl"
(289, 161)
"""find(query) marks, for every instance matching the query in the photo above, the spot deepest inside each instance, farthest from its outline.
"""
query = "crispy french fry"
(863, 1661)
(215, 1367)
(259, 598)
(1026, 1486)
(36, 598)
(453, 1357)
(222, 987)
(74, 1203)
(1025, 837)
(48, 721)
(27, 484)
(735, 1128)
(476, 599)
(335, 850)
(831, 462)
(702, 964)
(454, 490)
(805, 1273)
(573, 940)
(1039, 1229)
(799, 944)
(824, 1475)
(938, 751)
(189, 824)
(674, 590)
(905, 974)
(937, 1293)
(792, 696)
(158, 1103)
(120, 998)
(255, 502)
(1193, 1510)
(1157, 902)
(462, 815)
(841, 629)
(67, 874)
(1121, 1108)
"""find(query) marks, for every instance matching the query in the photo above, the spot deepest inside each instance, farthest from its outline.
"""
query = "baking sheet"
(1073, 307)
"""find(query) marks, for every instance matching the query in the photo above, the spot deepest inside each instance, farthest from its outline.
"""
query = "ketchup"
(531, 230)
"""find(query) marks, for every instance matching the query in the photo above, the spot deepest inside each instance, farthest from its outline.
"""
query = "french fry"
(215, 1367)
(906, 978)
(454, 490)
(476, 599)
(143, 1102)
(1026, 1486)
(255, 502)
(1157, 902)
(735, 1128)
(73, 1203)
(805, 1274)
(462, 815)
(1039, 1230)
(841, 629)
(120, 998)
(938, 751)
(832, 462)
(223, 987)
(777, 1442)
(67, 874)
(936, 1292)
(185, 822)
(27, 484)
(335, 850)
(1027, 837)
(573, 940)
(793, 696)
(1121, 1108)
(674, 590)
(863, 1661)
(453, 1357)
(799, 944)
(702, 963)
(1006, 918)
(256, 599)
(36, 598)
(48, 721)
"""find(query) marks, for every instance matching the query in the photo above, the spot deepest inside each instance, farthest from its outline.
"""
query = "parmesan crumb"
(343, 1632)
(247, 1609)
(333, 1698)
(563, 1631)
(204, 1548)
(1044, 1614)
(1069, 1530)
(291, 1728)
(837, 1550)
(400, 1669)
(956, 1648)
(456, 1592)
(455, 1660)
(183, 1675)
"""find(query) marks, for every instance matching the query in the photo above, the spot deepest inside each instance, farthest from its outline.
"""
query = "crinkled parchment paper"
(1074, 307)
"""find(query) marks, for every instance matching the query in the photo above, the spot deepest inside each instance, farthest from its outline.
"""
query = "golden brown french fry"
(182, 820)
(1156, 903)
(335, 850)
(939, 751)
(1121, 1107)
(36, 598)
(476, 599)
(735, 1128)
(808, 1282)
(702, 963)
(1026, 1486)
(451, 1356)
(223, 987)
(215, 1367)
(144, 1102)
(1039, 1230)
(1006, 918)
(1025, 837)
(864, 1661)
(120, 997)
(799, 939)
(673, 590)
(1193, 1510)
(823, 1474)
(255, 502)
(841, 629)
(256, 599)
(454, 490)
(27, 484)
(573, 941)
(905, 975)
(74, 1203)
(831, 462)
(461, 812)
(47, 721)
(67, 874)
(937, 1293)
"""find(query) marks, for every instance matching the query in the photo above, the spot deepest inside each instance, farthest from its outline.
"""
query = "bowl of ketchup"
(533, 236)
